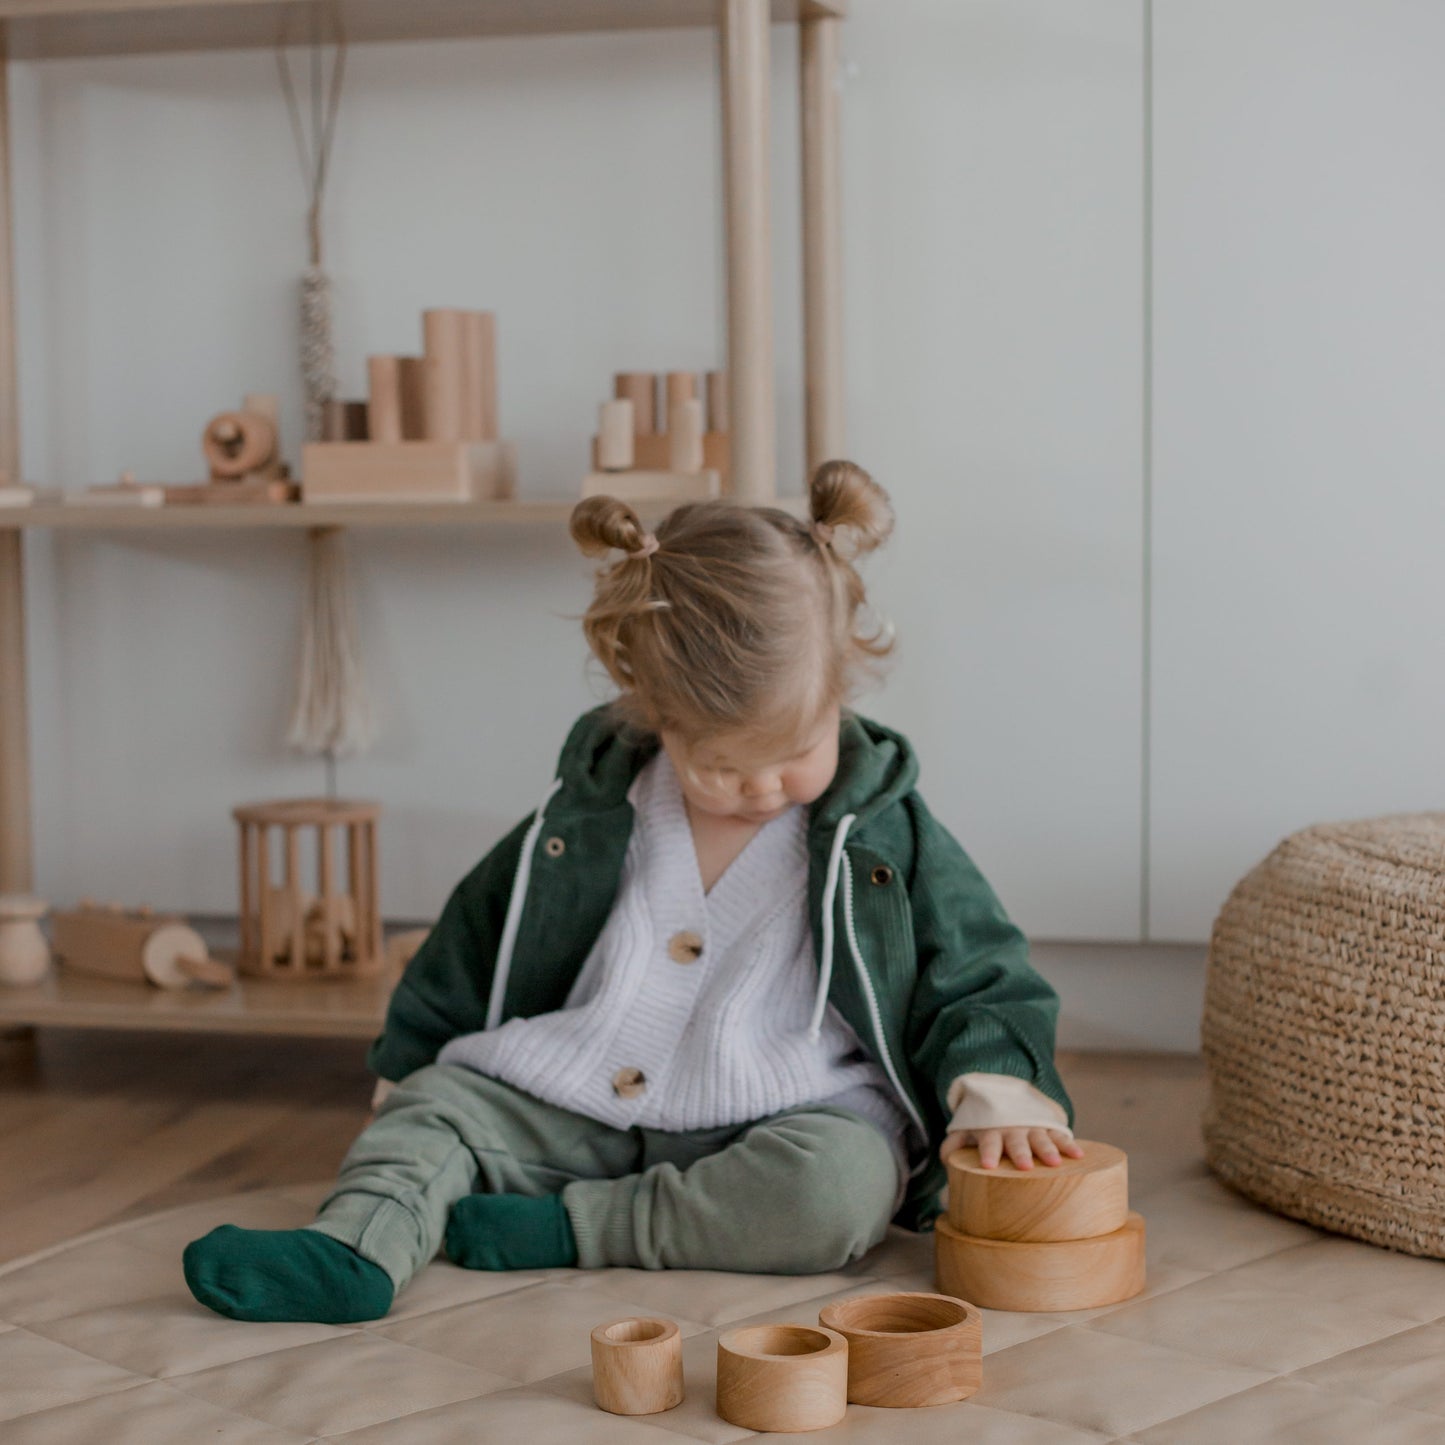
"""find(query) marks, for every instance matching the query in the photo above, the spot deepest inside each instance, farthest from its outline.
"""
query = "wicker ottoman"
(1324, 1031)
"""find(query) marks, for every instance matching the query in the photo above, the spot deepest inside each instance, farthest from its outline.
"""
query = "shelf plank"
(329, 1008)
(48, 29)
(552, 511)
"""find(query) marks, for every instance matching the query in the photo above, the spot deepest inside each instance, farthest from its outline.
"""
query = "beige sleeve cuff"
(382, 1089)
(1001, 1101)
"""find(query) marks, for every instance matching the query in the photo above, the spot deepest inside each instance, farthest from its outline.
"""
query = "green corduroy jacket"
(930, 972)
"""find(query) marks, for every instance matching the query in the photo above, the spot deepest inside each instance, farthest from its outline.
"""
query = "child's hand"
(1022, 1146)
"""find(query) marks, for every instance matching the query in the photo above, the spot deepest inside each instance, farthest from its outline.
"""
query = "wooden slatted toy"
(1043, 1238)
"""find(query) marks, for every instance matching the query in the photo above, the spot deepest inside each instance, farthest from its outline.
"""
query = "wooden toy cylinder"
(684, 436)
(1064, 1274)
(383, 410)
(24, 954)
(637, 1366)
(412, 370)
(640, 388)
(1079, 1199)
(344, 421)
(908, 1350)
(479, 375)
(615, 449)
(444, 377)
(717, 401)
(782, 1377)
(678, 386)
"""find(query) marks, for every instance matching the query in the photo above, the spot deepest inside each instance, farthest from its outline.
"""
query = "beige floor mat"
(1253, 1329)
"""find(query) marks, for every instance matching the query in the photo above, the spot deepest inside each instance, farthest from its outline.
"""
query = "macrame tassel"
(318, 356)
(332, 713)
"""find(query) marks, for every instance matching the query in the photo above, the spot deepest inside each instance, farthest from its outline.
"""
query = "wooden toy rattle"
(782, 1377)
(907, 1350)
(637, 1366)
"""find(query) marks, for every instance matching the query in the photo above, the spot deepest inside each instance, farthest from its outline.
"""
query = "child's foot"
(510, 1231)
(285, 1274)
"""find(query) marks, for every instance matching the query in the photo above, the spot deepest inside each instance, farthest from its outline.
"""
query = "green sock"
(285, 1274)
(510, 1231)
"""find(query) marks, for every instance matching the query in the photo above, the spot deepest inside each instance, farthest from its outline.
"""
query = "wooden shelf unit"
(43, 29)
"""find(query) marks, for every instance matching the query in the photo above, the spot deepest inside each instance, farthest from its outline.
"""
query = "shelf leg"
(16, 862)
(743, 32)
(822, 239)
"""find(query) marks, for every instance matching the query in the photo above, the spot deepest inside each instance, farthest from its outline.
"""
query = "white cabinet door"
(993, 252)
(1299, 430)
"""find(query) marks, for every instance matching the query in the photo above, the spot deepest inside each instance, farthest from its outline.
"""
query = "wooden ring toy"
(782, 1377)
(1063, 1274)
(1077, 1199)
(238, 442)
(637, 1366)
(911, 1349)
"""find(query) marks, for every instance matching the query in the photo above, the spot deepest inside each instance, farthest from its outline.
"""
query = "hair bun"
(843, 498)
(600, 524)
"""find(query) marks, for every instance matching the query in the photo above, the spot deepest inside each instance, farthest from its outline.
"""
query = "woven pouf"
(1324, 1031)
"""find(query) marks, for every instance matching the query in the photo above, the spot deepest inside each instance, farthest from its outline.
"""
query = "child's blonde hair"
(736, 619)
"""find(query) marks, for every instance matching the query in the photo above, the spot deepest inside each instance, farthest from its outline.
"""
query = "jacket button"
(554, 847)
(882, 874)
(628, 1083)
(685, 947)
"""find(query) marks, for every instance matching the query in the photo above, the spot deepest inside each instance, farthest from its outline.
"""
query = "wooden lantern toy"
(1043, 1238)
(637, 1366)
(908, 1350)
(289, 930)
(782, 1377)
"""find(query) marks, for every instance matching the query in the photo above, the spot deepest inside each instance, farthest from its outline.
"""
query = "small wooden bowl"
(782, 1377)
(907, 1350)
(1078, 1199)
(1064, 1274)
(637, 1366)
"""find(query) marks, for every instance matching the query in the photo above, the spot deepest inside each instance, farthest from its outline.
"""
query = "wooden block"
(717, 401)
(911, 1349)
(684, 436)
(408, 471)
(613, 448)
(1064, 1274)
(640, 388)
(479, 375)
(678, 386)
(11, 496)
(259, 492)
(652, 453)
(653, 486)
(345, 421)
(138, 946)
(121, 494)
(1077, 1200)
(413, 398)
(782, 1377)
(444, 374)
(384, 408)
(637, 1366)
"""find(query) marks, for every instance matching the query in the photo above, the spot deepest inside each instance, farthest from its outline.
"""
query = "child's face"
(727, 776)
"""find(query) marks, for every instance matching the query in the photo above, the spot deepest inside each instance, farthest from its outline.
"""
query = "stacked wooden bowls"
(1043, 1238)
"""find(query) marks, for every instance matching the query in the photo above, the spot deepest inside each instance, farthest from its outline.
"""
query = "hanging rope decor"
(313, 150)
(332, 715)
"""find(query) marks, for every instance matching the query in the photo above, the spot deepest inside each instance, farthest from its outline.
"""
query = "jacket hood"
(876, 766)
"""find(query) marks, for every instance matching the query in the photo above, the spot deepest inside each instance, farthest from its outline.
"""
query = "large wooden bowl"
(906, 1350)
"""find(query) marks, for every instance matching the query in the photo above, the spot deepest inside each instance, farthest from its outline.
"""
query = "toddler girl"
(726, 999)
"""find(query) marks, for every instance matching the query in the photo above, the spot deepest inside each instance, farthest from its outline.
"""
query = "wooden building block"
(1064, 1274)
(256, 492)
(479, 375)
(637, 1366)
(613, 448)
(444, 374)
(782, 1377)
(684, 436)
(640, 388)
(345, 421)
(907, 1350)
(408, 471)
(1077, 1200)
(137, 946)
(384, 409)
(717, 401)
(653, 486)
(653, 453)
(678, 386)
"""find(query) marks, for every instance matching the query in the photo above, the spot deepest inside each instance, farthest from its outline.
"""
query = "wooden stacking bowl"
(637, 1366)
(1065, 1274)
(782, 1377)
(906, 1350)
(1077, 1199)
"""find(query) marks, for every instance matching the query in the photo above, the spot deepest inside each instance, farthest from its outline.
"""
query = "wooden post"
(16, 869)
(294, 892)
(326, 886)
(822, 241)
(744, 41)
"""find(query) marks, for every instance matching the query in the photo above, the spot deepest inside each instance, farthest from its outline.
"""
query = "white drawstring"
(830, 893)
(514, 912)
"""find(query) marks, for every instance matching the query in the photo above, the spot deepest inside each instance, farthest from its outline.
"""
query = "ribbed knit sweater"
(652, 1036)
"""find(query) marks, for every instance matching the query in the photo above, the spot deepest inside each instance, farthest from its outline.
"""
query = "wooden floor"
(97, 1127)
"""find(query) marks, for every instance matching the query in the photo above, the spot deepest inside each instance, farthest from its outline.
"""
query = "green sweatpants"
(801, 1192)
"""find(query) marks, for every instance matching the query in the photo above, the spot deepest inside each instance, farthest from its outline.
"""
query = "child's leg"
(803, 1192)
(442, 1131)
